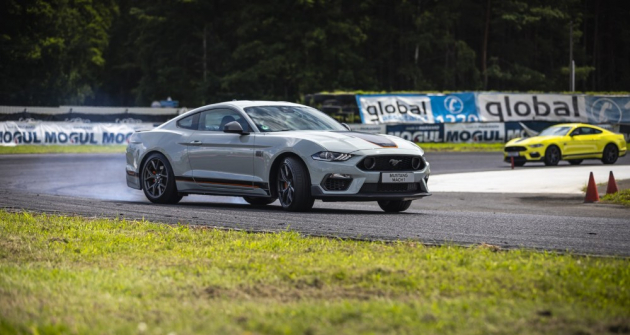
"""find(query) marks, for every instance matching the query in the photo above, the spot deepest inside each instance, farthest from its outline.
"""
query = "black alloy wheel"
(393, 206)
(258, 201)
(610, 154)
(293, 186)
(575, 161)
(552, 155)
(158, 181)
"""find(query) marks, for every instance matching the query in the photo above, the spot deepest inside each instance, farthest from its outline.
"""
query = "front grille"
(386, 163)
(333, 184)
(515, 149)
(389, 188)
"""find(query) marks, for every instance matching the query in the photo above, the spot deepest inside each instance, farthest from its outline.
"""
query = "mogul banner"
(418, 132)
(498, 107)
(47, 133)
(490, 132)
(417, 108)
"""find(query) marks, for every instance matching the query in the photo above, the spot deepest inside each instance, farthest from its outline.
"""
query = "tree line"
(132, 52)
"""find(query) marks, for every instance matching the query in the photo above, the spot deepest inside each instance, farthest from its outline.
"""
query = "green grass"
(73, 275)
(62, 149)
(462, 147)
(620, 198)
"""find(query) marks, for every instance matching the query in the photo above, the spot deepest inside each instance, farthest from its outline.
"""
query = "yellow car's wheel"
(610, 155)
(552, 155)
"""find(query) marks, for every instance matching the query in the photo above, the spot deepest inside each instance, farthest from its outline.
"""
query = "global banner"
(608, 109)
(417, 108)
(61, 133)
(499, 107)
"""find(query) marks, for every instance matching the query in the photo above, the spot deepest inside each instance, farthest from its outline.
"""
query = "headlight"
(535, 145)
(330, 156)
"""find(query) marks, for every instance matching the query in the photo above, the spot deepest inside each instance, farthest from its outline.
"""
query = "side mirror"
(234, 128)
(347, 126)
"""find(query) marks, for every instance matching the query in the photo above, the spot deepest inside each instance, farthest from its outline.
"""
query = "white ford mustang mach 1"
(263, 151)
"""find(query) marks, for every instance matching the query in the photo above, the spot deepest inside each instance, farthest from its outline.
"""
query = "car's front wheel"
(394, 205)
(552, 155)
(610, 155)
(293, 185)
(256, 201)
(158, 181)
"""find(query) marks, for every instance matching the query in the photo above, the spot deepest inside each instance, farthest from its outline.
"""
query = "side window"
(189, 122)
(595, 131)
(577, 131)
(216, 119)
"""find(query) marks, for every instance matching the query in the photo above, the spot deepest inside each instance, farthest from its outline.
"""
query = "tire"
(256, 201)
(552, 155)
(158, 181)
(575, 161)
(610, 154)
(293, 185)
(519, 163)
(392, 206)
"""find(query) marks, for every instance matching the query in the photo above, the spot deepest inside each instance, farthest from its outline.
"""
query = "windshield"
(284, 118)
(555, 131)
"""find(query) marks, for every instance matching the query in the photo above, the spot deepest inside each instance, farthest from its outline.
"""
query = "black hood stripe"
(379, 140)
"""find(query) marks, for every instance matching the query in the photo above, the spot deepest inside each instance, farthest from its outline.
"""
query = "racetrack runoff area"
(535, 179)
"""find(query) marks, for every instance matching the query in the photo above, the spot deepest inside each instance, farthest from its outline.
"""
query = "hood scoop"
(379, 140)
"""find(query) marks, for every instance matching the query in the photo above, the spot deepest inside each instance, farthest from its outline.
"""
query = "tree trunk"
(484, 50)
(595, 37)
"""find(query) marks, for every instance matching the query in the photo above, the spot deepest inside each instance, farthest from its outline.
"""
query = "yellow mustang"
(574, 142)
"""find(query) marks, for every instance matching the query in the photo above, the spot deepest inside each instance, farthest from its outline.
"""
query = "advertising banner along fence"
(492, 107)
(417, 108)
(47, 133)
(86, 114)
(499, 107)
(608, 109)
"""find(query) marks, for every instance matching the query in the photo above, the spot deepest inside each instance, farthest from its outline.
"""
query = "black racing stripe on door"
(225, 182)
(585, 154)
(379, 140)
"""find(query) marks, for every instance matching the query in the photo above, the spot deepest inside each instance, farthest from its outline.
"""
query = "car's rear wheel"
(610, 155)
(293, 186)
(575, 161)
(256, 201)
(158, 181)
(394, 205)
(552, 155)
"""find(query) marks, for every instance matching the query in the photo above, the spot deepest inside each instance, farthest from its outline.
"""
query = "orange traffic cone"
(612, 185)
(591, 190)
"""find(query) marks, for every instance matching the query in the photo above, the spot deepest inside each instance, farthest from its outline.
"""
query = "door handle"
(195, 142)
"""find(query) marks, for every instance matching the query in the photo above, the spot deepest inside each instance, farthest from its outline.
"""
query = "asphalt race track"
(94, 185)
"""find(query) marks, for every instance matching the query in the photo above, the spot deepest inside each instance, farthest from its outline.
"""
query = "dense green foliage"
(69, 275)
(131, 52)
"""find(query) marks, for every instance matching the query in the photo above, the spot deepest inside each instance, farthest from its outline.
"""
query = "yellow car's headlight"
(535, 145)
